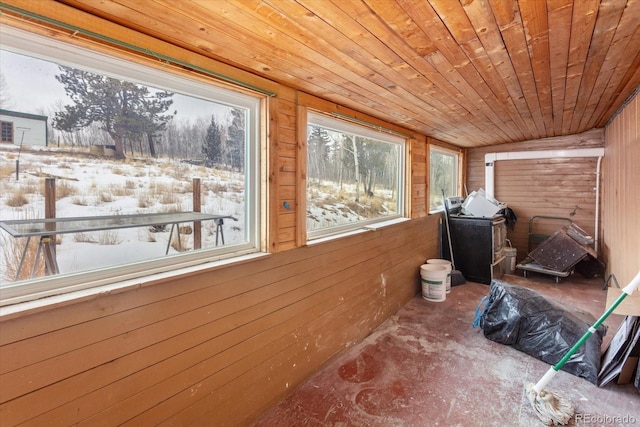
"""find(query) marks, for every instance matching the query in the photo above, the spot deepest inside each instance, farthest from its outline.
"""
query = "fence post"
(197, 225)
(49, 242)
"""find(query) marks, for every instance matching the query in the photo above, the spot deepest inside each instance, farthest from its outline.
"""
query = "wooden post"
(49, 242)
(50, 200)
(197, 225)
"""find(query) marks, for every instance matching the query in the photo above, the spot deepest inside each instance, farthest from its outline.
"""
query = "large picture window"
(354, 176)
(147, 171)
(443, 176)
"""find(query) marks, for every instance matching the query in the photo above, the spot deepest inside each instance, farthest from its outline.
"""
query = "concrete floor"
(427, 366)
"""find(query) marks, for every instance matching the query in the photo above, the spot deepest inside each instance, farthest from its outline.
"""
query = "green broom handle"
(627, 290)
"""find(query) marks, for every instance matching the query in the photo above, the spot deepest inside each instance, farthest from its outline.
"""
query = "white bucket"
(510, 255)
(446, 263)
(434, 282)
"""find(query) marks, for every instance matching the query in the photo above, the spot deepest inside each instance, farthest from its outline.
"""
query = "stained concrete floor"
(427, 366)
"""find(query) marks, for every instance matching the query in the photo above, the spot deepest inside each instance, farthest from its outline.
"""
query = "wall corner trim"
(491, 158)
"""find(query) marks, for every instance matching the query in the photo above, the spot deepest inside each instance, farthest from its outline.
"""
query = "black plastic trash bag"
(543, 328)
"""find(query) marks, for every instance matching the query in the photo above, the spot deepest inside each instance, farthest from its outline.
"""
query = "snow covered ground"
(87, 185)
(91, 186)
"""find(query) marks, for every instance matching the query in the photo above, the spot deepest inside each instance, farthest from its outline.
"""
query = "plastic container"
(446, 263)
(510, 255)
(434, 282)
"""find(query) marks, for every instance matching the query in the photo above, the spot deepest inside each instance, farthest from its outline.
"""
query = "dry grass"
(235, 189)
(109, 237)
(17, 198)
(117, 170)
(32, 186)
(80, 201)
(171, 208)
(12, 250)
(367, 207)
(119, 191)
(183, 242)
(65, 188)
(177, 171)
(84, 238)
(168, 198)
(159, 196)
(375, 204)
(7, 170)
(106, 237)
(106, 197)
(165, 194)
(144, 200)
(187, 187)
(217, 187)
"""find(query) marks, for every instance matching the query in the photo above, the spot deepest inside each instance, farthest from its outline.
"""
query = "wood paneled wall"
(216, 348)
(621, 198)
(221, 346)
(284, 156)
(551, 187)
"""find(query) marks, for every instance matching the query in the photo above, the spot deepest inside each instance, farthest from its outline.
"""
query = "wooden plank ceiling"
(469, 72)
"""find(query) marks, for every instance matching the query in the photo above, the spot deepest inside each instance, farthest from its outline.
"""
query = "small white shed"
(23, 128)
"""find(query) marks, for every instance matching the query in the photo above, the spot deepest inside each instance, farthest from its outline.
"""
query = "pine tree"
(123, 109)
(212, 147)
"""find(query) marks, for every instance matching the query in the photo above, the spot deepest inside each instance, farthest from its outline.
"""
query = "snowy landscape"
(91, 186)
(88, 185)
(143, 156)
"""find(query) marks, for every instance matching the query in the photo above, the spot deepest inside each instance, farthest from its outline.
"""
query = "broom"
(455, 275)
(550, 407)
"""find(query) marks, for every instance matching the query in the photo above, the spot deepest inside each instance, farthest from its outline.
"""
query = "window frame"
(378, 133)
(456, 173)
(45, 48)
(3, 124)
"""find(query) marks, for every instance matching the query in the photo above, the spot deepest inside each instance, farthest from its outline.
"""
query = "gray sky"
(30, 83)
(32, 88)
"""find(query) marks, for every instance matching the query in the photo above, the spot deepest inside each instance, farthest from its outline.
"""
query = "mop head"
(549, 407)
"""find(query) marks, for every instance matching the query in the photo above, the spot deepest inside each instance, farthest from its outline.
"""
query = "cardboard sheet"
(629, 307)
(620, 358)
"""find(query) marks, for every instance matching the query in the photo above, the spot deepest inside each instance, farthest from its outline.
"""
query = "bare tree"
(356, 163)
(6, 103)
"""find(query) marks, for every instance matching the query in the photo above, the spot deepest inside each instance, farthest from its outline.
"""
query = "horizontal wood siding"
(621, 177)
(219, 347)
(551, 187)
